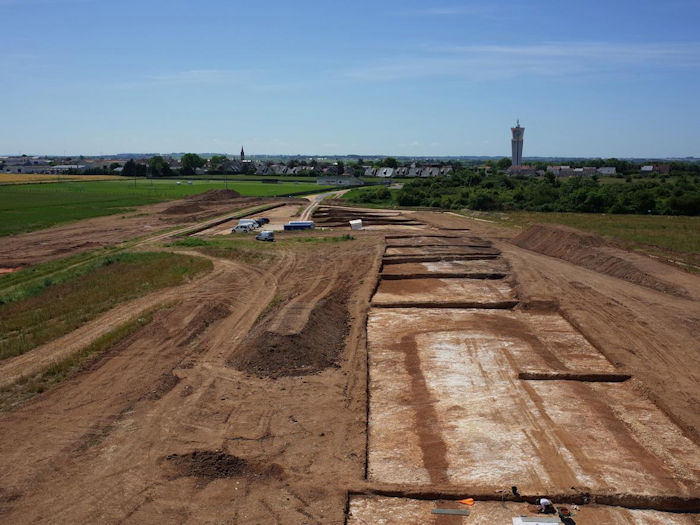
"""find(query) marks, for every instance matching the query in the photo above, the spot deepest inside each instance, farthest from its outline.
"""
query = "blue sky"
(592, 78)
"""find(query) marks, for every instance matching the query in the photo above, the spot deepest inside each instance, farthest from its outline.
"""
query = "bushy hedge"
(467, 189)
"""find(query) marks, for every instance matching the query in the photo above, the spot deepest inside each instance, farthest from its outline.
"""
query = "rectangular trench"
(447, 408)
(464, 392)
(371, 509)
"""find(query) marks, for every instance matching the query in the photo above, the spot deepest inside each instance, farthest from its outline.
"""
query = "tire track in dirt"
(103, 394)
(295, 314)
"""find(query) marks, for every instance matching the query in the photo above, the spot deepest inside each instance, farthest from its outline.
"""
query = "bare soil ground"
(247, 400)
(204, 414)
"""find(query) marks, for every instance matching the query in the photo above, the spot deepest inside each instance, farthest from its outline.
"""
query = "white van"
(241, 228)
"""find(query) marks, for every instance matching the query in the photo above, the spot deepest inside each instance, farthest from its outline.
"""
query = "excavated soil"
(590, 251)
(338, 217)
(440, 250)
(451, 292)
(216, 464)
(314, 349)
(435, 240)
(183, 209)
(486, 268)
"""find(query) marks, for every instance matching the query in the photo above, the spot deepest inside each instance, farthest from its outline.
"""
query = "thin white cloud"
(192, 77)
(259, 79)
(202, 76)
(26, 3)
(495, 62)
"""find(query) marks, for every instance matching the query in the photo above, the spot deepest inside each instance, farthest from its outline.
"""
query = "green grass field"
(35, 206)
(672, 237)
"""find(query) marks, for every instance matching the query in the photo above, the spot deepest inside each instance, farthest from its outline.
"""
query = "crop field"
(673, 237)
(34, 206)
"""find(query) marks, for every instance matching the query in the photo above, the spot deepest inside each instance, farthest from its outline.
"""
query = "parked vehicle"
(250, 222)
(265, 235)
(263, 220)
(299, 225)
(241, 228)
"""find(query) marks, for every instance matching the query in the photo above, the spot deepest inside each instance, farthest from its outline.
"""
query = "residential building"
(522, 170)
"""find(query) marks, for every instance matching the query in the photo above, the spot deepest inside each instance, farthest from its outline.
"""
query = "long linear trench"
(470, 395)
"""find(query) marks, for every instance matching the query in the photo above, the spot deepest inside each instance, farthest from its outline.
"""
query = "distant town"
(347, 167)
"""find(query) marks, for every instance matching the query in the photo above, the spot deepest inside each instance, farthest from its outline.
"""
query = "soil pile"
(214, 195)
(590, 251)
(334, 217)
(314, 349)
(216, 464)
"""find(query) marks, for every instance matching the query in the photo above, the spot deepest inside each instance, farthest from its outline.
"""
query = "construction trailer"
(299, 225)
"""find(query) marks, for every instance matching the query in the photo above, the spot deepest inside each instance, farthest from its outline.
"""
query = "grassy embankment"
(30, 207)
(671, 237)
(36, 314)
(14, 395)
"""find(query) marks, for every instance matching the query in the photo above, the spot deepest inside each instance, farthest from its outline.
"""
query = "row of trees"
(158, 167)
(466, 189)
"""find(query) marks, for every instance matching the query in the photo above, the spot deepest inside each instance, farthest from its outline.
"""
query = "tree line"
(677, 195)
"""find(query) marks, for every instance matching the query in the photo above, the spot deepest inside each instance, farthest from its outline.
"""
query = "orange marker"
(468, 501)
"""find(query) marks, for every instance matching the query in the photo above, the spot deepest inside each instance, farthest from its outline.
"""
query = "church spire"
(242, 153)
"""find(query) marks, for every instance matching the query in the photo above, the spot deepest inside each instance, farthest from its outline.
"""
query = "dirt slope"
(591, 251)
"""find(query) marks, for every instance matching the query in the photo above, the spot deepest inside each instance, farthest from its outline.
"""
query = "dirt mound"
(590, 251)
(314, 349)
(216, 464)
(183, 209)
(214, 195)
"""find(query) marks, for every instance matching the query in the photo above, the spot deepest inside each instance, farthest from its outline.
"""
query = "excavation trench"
(444, 275)
(671, 504)
(401, 259)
